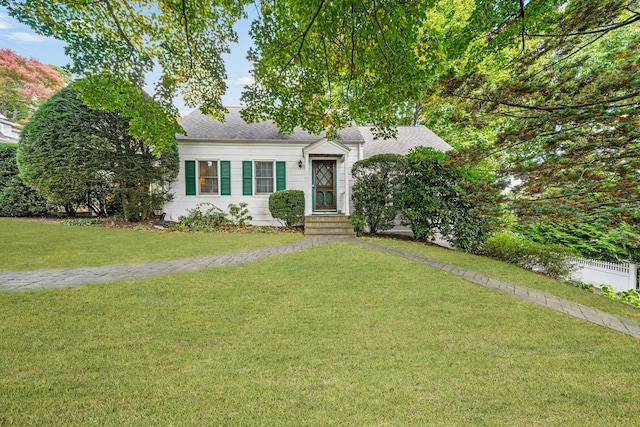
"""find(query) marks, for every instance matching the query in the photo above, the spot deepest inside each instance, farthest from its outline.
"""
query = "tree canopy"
(127, 38)
(24, 84)
(78, 156)
(566, 100)
(546, 91)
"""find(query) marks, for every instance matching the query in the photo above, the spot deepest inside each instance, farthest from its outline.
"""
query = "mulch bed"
(155, 225)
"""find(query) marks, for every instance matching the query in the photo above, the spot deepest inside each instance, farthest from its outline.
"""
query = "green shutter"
(281, 176)
(190, 177)
(247, 177)
(225, 177)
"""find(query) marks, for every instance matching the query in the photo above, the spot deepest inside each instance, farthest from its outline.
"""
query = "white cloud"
(5, 22)
(27, 37)
(242, 81)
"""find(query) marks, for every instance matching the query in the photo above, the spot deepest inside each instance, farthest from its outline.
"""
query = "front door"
(324, 181)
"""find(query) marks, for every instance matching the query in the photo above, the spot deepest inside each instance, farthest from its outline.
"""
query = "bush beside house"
(16, 199)
(287, 206)
(377, 181)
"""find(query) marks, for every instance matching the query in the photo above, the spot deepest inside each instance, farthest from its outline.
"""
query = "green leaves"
(148, 121)
(461, 205)
(566, 101)
(377, 183)
(127, 38)
(78, 156)
(320, 64)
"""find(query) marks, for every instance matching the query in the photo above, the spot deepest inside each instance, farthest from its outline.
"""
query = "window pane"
(264, 170)
(264, 185)
(208, 177)
(208, 169)
(264, 177)
(209, 185)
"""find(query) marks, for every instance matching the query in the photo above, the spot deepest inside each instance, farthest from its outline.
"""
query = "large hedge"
(462, 205)
(375, 190)
(16, 199)
(77, 156)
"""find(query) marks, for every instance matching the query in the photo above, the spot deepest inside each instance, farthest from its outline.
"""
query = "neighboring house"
(9, 132)
(234, 162)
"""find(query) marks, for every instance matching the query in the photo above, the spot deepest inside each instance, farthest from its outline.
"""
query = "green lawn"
(336, 335)
(513, 274)
(29, 245)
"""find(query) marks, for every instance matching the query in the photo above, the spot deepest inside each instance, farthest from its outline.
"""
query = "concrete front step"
(328, 225)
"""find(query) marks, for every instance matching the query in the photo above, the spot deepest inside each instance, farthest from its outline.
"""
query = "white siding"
(237, 152)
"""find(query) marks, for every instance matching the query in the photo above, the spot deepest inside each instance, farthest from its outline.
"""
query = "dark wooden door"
(324, 181)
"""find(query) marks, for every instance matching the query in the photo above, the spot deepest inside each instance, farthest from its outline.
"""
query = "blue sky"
(22, 40)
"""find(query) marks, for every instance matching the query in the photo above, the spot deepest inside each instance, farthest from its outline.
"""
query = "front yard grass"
(336, 335)
(30, 245)
(513, 274)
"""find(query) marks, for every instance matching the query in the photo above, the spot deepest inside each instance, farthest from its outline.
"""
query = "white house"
(234, 162)
(9, 132)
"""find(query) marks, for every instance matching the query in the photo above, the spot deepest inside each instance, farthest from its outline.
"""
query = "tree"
(563, 84)
(25, 84)
(378, 180)
(321, 64)
(126, 38)
(78, 156)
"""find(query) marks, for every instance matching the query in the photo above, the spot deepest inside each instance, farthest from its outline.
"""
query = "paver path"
(38, 279)
(65, 277)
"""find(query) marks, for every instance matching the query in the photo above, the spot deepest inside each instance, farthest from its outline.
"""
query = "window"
(264, 177)
(269, 177)
(208, 175)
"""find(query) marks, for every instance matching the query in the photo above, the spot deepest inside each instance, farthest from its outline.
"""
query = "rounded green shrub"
(287, 206)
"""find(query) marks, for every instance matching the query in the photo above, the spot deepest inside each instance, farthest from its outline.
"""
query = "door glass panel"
(324, 175)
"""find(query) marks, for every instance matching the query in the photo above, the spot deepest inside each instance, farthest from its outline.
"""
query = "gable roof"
(408, 137)
(200, 126)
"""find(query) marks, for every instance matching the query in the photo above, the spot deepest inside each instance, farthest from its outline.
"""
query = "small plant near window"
(287, 206)
(239, 214)
(196, 220)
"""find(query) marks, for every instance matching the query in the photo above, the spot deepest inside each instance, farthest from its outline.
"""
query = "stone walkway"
(65, 277)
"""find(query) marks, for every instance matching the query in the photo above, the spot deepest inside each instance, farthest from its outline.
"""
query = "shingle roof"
(408, 137)
(199, 126)
(234, 128)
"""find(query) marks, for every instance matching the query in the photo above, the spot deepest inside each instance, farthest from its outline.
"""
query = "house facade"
(233, 162)
(9, 132)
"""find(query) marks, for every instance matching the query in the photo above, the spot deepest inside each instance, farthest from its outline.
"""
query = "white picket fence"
(622, 277)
